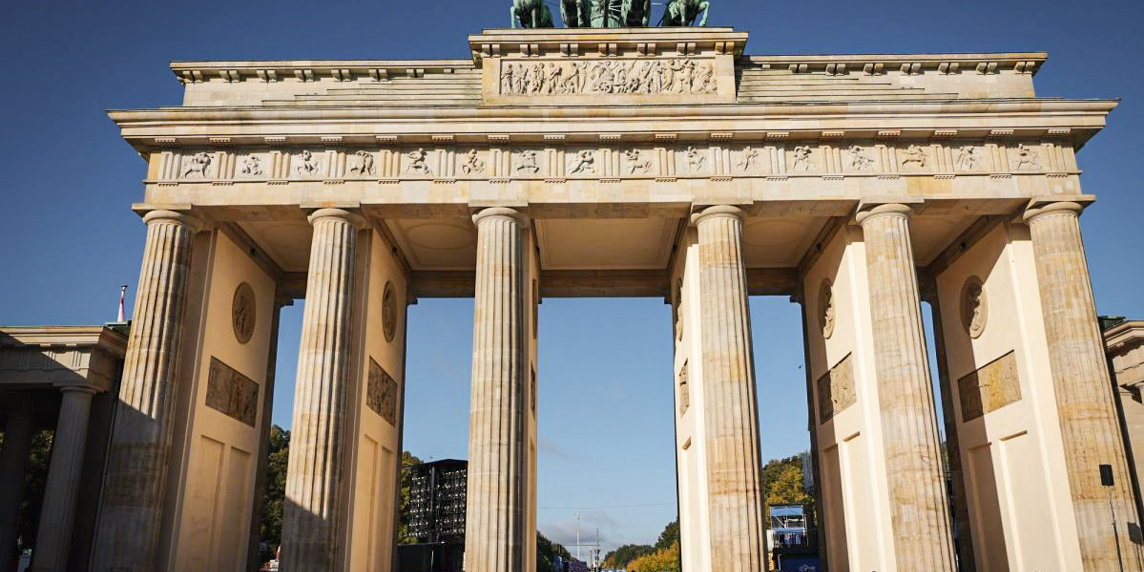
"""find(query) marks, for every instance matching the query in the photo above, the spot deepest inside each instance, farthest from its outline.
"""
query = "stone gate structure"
(642, 162)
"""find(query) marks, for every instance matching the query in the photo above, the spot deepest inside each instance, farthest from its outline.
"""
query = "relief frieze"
(604, 77)
(381, 393)
(836, 390)
(231, 393)
(990, 388)
(828, 158)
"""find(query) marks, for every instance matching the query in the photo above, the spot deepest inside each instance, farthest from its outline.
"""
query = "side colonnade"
(1029, 417)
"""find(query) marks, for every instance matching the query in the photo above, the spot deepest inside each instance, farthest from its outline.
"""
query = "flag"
(122, 317)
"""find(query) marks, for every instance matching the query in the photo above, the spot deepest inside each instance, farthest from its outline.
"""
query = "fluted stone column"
(918, 506)
(135, 483)
(736, 511)
(53, 539)
(315, 476)
(495, 521)
(13, 466)
(1088, 418)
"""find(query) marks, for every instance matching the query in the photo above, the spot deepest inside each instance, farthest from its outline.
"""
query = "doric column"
(736, 510)
(1088, 418)
(135, 483)
(495, 521)
(916, 486)
(13, 465)
(53, 539)
(314, 476)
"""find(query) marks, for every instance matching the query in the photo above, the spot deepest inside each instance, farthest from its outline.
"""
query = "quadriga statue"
(684, 12)
(530, 14)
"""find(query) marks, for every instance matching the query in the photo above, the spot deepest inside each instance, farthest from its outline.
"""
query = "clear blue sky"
(68, 238)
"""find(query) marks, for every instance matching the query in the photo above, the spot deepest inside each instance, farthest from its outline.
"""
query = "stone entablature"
(63, 356)
(775, 156)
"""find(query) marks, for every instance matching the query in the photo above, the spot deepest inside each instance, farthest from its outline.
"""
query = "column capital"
(180, 217)
(77, 388)
(1038, 208)
(503, 213)
(355, 219)
(718, 211)
(870, 211)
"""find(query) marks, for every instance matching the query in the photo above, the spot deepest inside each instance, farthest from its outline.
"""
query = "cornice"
(1120, 337)
(986, 63)
(1071, 121)
(270, 71)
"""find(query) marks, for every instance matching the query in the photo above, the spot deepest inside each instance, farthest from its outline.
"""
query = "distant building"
(1125, 342)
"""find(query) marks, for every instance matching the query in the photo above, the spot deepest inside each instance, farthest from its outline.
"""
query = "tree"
(546, 553)
(782, 484)
(669, 536)
(408, 461)
(665, 559)
(277, 458)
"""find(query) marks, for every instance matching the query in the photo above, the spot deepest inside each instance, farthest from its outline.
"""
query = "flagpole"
(122, 317)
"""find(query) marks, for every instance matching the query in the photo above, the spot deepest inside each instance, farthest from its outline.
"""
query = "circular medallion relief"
(242, 313)
(826, 308)
(389, 312)
(974, 307)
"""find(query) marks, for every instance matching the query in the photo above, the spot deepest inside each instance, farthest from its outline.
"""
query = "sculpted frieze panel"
(232, 393)
(605, 77)
(836, 391)
(614, 161)
(990, 388)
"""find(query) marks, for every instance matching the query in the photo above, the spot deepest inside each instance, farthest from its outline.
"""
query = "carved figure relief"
(990, 388)
(826, 308)
(473, 164)
(361, 163)
(684, 391)
(526, 163)
(381, 393)
(232, 393)
(974, 307)
(637, 76)
(748, 159)
(1027, 157)
(695, 160)
(418, 162)
(860, 160)
(636, 166)
(389, 312)
(243, 313)
(583, 162)
(968, 158)
(251, 166)
(197, 166)
(802, 155)
(915, 155)
(836, 390)
(308, 165)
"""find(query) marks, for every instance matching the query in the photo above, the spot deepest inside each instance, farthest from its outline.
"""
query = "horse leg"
(512, 16)
(706, 7)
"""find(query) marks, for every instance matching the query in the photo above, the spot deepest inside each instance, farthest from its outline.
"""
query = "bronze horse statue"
(684, 12)
(530, 13)
(605, 13)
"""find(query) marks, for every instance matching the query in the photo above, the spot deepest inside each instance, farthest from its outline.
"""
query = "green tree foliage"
(277, 457)
(35, 479)
(546, 553)
(665, 551)
(669, 536)
(782, 484)
(408, 461)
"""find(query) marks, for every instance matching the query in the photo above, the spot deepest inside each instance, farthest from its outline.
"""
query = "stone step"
(828, 92)
(409, 89)
(426, 97)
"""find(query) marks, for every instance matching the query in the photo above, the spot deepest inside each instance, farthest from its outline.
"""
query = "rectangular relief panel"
(231, 393)
(836, 390)
(990, 388)
(381, 393)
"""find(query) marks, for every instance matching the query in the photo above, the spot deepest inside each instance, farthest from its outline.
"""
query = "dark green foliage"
(270, 526)
(546, 553)
(408, 461)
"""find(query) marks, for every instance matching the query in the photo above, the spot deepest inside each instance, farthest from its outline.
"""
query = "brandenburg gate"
(623, 162)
